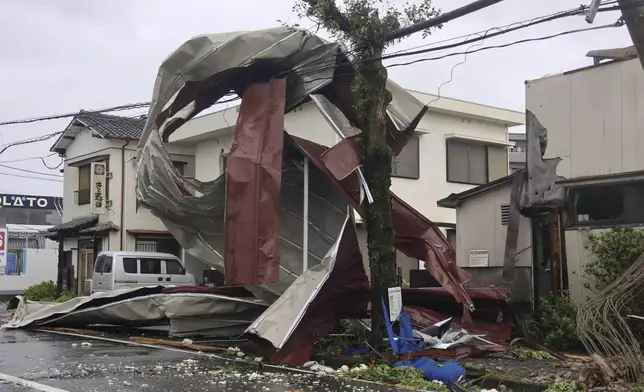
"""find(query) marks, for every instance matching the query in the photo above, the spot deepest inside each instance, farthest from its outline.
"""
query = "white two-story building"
(100, 208)
(457, 146)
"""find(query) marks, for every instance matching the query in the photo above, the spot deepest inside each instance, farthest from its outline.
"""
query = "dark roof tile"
(113, 127)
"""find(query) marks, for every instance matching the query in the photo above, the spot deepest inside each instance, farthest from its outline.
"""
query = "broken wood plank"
(72, 330)
(191, 346)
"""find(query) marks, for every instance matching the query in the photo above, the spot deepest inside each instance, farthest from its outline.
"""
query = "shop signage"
(97, 196)
(28, 201)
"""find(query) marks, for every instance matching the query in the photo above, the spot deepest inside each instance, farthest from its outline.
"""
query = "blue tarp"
(446, 372)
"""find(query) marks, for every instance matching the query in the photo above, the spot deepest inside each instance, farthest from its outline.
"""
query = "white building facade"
(457, 146)
(118, 224)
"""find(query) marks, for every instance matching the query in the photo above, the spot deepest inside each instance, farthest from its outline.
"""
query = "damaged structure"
(280, 220)
(584, 174)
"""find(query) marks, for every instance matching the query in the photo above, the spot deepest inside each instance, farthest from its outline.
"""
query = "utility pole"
(634, 18)
(442, 18)
(370, 31)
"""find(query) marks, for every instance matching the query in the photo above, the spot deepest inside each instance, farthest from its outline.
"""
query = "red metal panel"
(253, 180)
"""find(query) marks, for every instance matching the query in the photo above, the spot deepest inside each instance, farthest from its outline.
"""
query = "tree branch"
(329, 15)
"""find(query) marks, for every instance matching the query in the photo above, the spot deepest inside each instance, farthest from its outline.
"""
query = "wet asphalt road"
(51, 360)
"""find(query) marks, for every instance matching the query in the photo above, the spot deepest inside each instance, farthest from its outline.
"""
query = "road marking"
(30, 384)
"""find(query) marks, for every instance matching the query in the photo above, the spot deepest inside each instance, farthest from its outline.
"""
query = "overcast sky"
(65, 55)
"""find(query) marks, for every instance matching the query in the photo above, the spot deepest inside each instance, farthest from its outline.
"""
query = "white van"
(118, 270)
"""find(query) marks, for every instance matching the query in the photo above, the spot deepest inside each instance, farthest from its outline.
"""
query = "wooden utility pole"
(634, 17)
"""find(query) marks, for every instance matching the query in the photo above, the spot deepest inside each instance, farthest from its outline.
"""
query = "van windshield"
(173, 267)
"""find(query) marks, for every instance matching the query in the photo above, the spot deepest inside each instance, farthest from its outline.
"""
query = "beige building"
(584, 175)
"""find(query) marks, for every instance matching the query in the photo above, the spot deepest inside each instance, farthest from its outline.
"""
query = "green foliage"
(523, 354)
(615, 251)
(46, 292)
(404, 376)
(566, 386)
(365, 23)
(554, 324)
(347, 336)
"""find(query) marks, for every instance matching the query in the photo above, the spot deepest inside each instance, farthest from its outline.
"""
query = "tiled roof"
(113, 127)
(99, 227)
(82, 222)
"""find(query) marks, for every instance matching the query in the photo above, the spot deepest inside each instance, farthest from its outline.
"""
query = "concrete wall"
(41, 265)
(479, 227)
(593, 118)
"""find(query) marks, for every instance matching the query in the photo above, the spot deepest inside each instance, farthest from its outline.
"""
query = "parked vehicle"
(118, 270)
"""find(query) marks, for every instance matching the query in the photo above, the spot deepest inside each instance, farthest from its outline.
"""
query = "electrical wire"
(31, 171)
(29, 159)
(128, 106)
(31, 177)
(402, 53)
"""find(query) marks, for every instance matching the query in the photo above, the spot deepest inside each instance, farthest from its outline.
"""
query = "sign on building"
(32, 202)
(98, 183)
(4, 239)
(479, 258)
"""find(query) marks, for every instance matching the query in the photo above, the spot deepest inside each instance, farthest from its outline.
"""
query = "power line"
(29, 159)
(29, 141)
(332, 62)
(128, 106)
(31, 177)
(31, 171)
(543, 38)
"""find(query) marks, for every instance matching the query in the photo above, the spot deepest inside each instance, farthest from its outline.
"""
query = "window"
(98, 264)
(130, 265)
(103, 264)
(173, 267)
(474, 163)
(180, 166)
(107, 265)
(451, 237)
(166, 244)
(223, 162)
(150, 266)
(406, 164)
(607, 204)
(84, 180)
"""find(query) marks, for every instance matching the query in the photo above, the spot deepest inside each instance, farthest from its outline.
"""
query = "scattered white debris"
(360, 368)
(489, 390)
(259, 359)
(86, 344)
(344, 369)
(74, 345)
(187, 341)
(241, 354)
(127, 383)
(158, 368)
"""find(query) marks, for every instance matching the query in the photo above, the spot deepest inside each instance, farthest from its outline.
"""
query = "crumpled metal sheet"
(542, 188)
(218, 314)
(416, 236)
(253, 182)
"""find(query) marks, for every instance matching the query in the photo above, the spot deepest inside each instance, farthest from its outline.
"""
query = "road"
(63, 362)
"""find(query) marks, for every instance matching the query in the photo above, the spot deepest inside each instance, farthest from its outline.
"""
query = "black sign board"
(30, 201)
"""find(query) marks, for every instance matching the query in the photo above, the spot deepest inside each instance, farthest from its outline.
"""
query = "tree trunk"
(634, 18)
(372, 99)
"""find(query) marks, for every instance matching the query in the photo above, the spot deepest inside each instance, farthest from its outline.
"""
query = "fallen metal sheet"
(496, 332)
(416, 236)
(253, 181)
(280, 320)
(218, 315)
(197, 222)
(339, 278)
